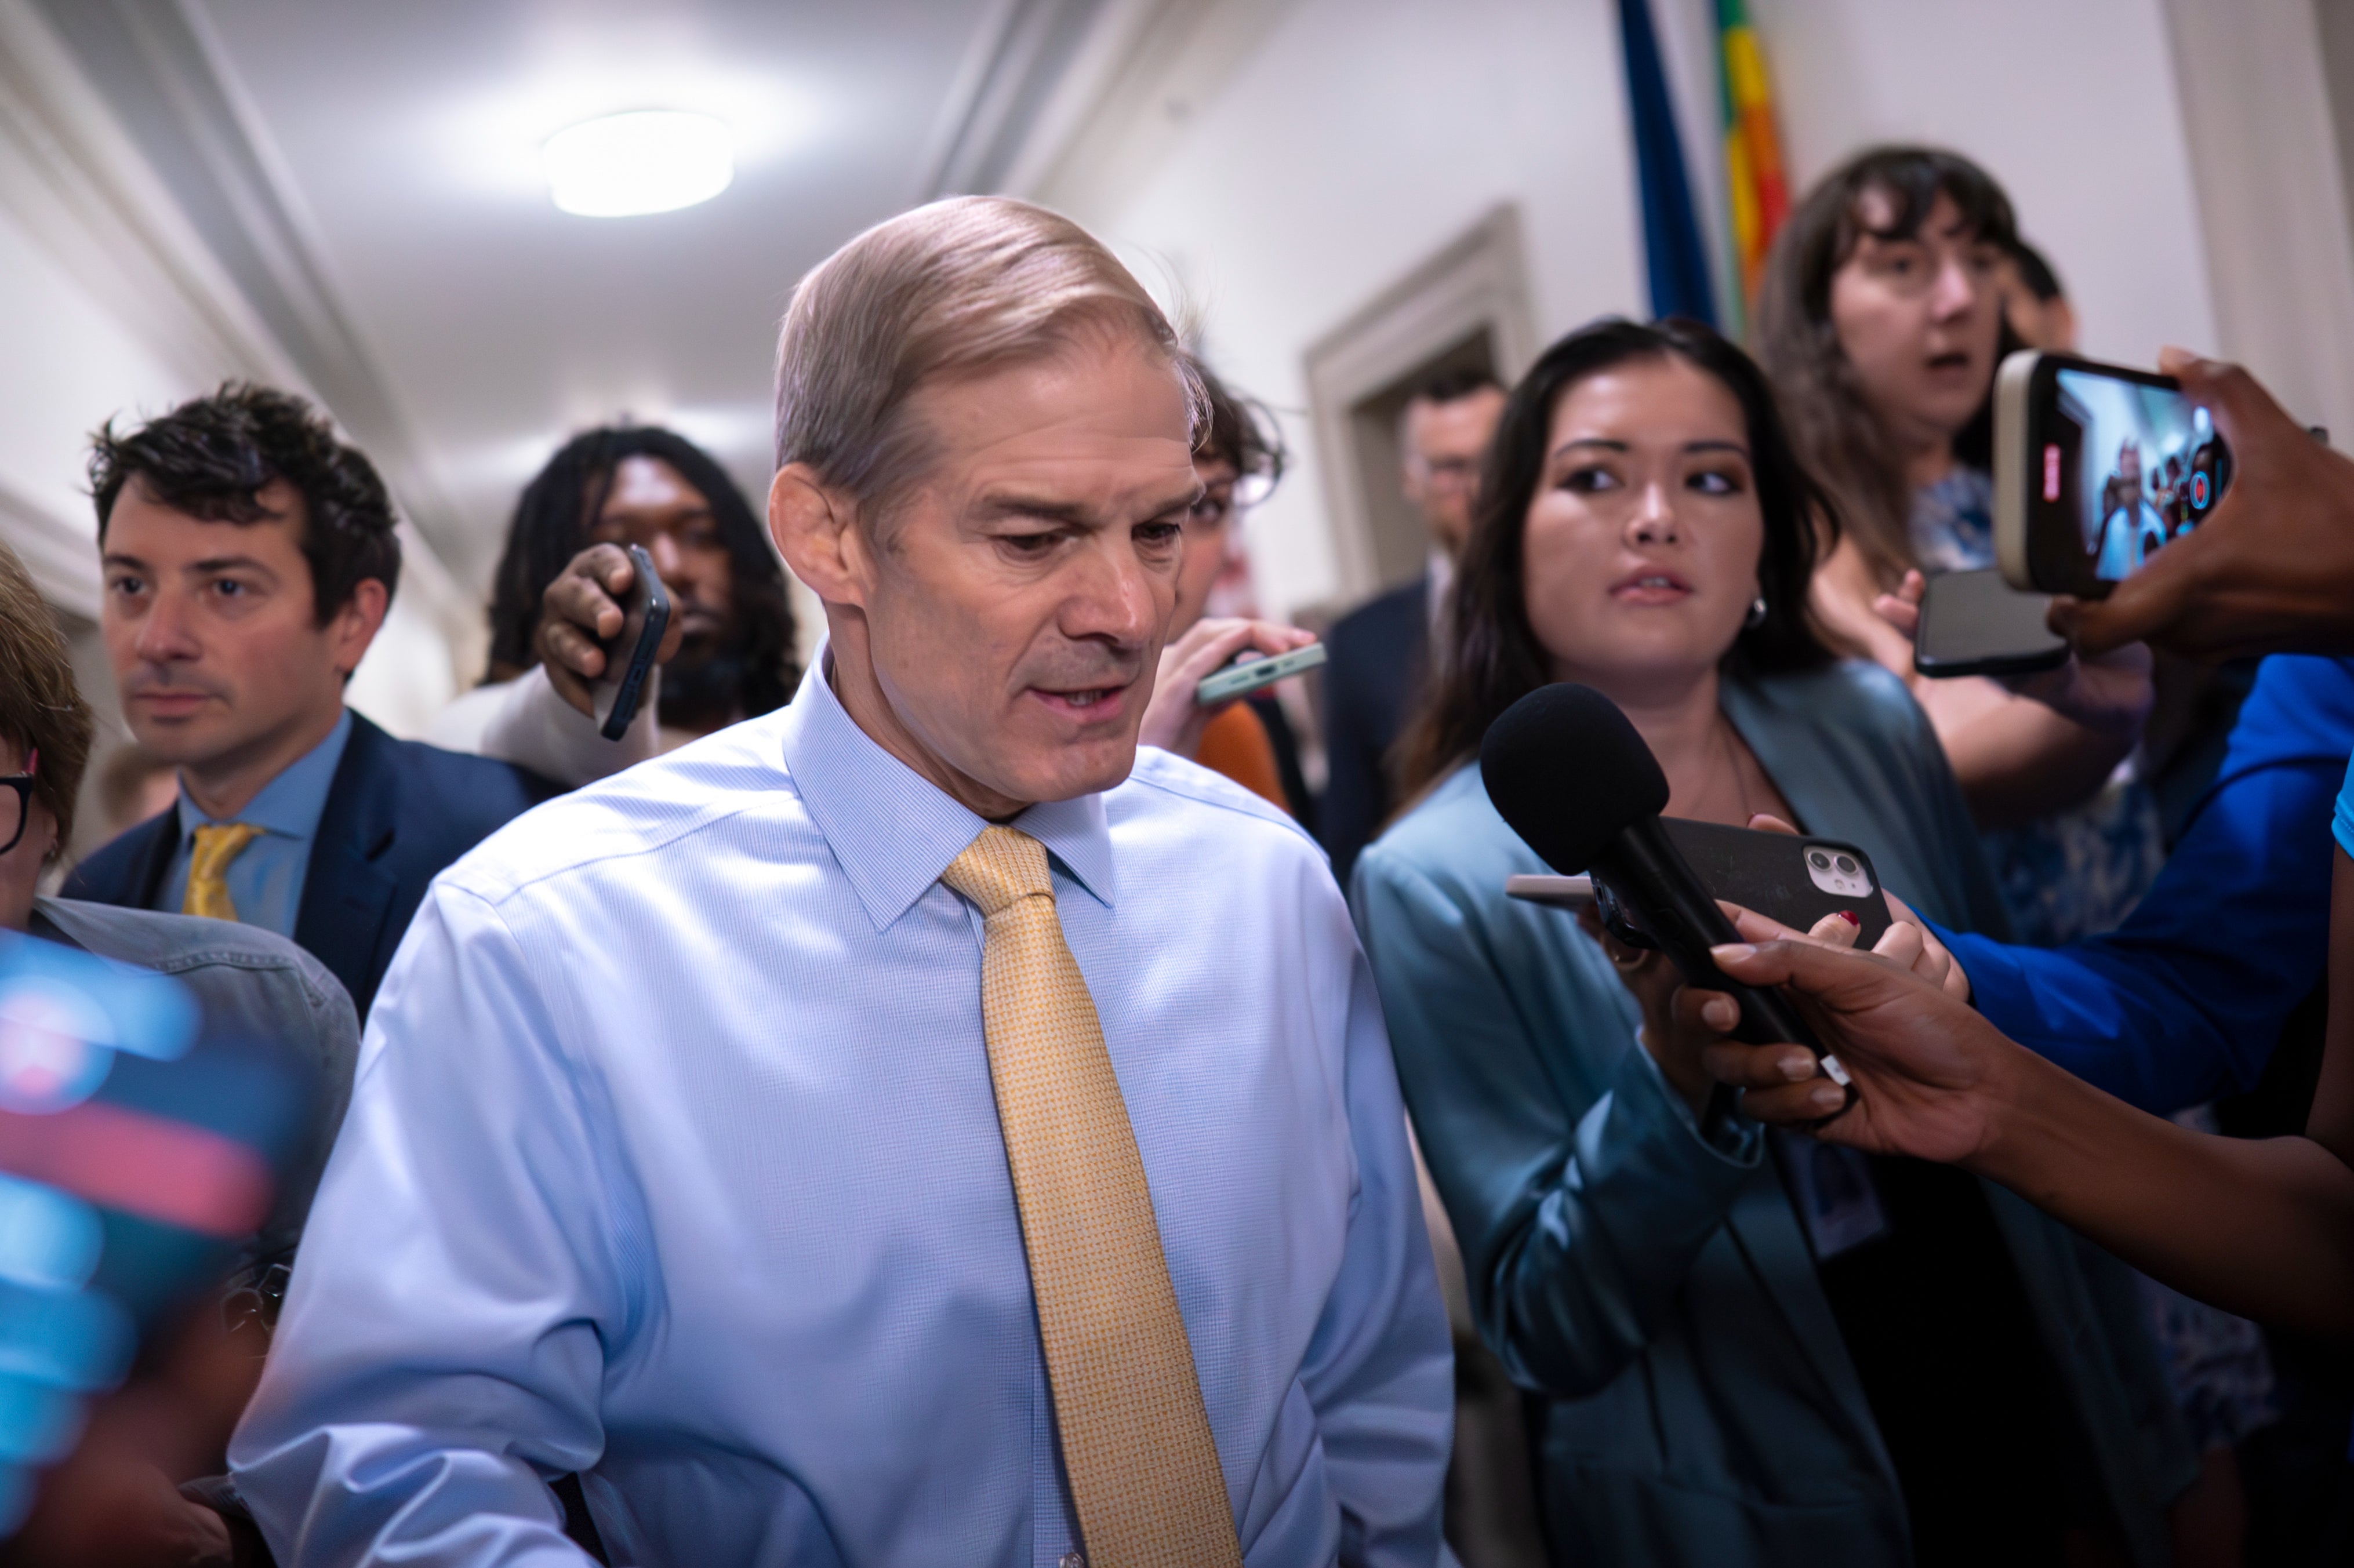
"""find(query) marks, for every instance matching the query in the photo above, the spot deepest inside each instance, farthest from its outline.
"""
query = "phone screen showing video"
(2134, 465)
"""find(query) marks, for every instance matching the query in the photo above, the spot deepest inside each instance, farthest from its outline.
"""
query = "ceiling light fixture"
(647, 161)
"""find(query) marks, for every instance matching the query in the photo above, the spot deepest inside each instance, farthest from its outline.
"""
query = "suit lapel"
(347, 892)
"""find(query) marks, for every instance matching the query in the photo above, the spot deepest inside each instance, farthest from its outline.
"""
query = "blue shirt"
(265, 880)
(2341, 821)
(2186, 1000)
(672, 1159)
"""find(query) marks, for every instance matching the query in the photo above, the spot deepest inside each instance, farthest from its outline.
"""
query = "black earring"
(1757, 616)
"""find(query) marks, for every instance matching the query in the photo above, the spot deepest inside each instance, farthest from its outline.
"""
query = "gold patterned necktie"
(1136, 1437)
(217, 843)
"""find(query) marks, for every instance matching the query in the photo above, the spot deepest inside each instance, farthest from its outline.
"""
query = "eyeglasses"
(15, 804)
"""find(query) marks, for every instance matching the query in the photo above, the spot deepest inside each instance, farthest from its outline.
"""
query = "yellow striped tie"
(1136, 1439)
(217, 843)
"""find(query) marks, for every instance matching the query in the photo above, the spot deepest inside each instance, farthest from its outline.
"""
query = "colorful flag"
(1675, 257)
(1752, 153)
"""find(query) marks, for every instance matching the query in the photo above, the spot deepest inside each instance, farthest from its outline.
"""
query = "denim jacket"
(1653, 1282)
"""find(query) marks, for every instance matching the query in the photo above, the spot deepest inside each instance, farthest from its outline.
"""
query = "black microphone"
(1569, 774)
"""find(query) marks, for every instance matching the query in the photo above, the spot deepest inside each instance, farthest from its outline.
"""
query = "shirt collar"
(291, 804)
(893, 832)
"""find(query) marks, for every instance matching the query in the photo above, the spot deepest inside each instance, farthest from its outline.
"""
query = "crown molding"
(131, 154)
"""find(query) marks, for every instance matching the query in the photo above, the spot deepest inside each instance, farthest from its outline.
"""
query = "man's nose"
(164, 635)
(1115, 595)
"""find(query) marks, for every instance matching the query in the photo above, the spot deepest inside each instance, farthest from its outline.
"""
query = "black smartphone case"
(1760, 871)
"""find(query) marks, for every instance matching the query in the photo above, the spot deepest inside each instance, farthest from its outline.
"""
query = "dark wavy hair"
(1239, 430)
(1837, 435)
(213, 456)
(552, 523)
(1495, 659)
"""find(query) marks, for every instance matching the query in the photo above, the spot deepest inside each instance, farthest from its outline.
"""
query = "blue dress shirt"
(265, 880)
(674, 1160)
(2186, 1000)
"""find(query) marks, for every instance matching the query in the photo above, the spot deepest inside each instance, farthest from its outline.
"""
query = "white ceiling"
(368, 174)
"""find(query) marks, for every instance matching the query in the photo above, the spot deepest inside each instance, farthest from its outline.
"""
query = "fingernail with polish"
(1724, 951)
(1797, 1067)
(1851, 917)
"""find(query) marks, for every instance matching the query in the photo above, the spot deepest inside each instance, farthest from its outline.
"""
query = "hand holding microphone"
(1568, 773)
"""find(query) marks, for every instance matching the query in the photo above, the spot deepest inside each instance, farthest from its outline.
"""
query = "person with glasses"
(246, 981)
(1238, 460)
(1380, 651)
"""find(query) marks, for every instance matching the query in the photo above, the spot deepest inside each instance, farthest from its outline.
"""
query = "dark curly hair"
(1837, 435)
(552, 523)
(1239, 430)
(1496, 659)
(213, 456)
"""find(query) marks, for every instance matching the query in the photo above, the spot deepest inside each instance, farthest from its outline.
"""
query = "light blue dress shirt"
(673, 1159)
(265, 880)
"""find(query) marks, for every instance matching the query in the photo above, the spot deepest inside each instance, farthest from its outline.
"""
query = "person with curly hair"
(556, 601)
(248, 559)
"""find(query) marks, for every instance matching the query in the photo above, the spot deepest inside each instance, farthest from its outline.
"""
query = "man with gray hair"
(914, 1127)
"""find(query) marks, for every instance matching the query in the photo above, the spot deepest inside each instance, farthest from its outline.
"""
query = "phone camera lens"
(1847, 863)
(1820, 861)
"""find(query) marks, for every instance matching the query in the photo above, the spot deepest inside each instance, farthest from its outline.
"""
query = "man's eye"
(1029, 545)
(128, 586)
(1160, 534)
(230, 587)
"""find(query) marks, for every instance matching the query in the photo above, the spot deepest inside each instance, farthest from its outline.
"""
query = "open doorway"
(1465, 308)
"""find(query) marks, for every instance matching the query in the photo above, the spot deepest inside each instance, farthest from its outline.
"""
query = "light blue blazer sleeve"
(1580, 1186)
(460, 1281)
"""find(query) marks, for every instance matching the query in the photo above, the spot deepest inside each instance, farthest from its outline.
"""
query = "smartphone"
(1796, 880)
(1975, 624)
(1241, 680)
(629, 658)
(2097, 468)
(137, 1150)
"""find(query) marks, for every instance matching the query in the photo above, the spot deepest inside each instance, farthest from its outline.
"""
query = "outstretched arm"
(2265, 1229)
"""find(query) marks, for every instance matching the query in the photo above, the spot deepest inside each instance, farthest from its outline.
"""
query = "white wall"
(1361, 136)
(2071, 105)
(70, 365)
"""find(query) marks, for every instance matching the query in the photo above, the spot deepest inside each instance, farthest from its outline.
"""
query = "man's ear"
(354, 627)
(815, 528)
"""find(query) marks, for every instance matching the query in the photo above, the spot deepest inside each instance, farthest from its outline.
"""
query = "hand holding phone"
(581, 616)
(2273, 568)
(629, 658)
(1177, 712)
(2096, 469)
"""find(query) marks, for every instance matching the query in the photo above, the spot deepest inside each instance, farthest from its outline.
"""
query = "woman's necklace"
(1733, 766)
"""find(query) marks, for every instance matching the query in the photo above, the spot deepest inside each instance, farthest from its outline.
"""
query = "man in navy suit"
(249, 558)
(1380, 653)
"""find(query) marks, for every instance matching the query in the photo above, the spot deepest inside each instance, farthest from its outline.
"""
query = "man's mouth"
(1088, 704)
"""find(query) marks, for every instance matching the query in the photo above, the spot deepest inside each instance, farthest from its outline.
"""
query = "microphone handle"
(1648, 874)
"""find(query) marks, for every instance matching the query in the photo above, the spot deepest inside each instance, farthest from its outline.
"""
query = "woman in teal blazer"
(1737, 1355)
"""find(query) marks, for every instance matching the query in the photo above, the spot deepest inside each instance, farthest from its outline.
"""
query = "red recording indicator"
(150, 1166)
(2052, 472)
